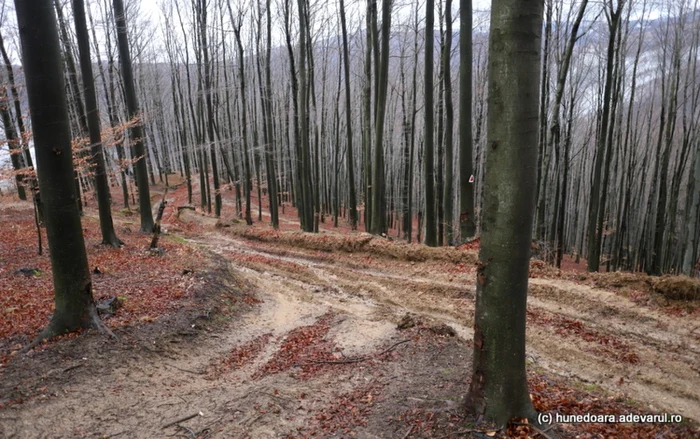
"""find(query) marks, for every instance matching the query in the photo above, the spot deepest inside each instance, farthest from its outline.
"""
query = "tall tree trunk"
(440, 168)
(352, 201)
(109, 236)
(430, 221)
(132, 106)
(449, 127)
(295, 97)
(244, 120)
(408, 219)
(202, 9)
(595, 198)
(467, 221)
(556, 129)
(498, 390)
(543, 155)
(14, 95)
(76, 101)
(41, 56)
(378, 201)
(13, 145)
(693, 216)
(366, 120)
(306, 182)
(268, 125)
(110, 98)
(669, 129)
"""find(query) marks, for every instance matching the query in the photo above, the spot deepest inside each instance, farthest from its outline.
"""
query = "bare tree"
(498, 390)
(109, 236)
(41, 59)
(430, 220)
(136, 134)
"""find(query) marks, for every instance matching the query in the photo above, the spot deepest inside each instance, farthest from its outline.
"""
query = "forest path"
(256, 378)
(590, 334)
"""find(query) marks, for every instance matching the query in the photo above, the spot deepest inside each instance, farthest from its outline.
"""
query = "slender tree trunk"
(352, 202)
(366, 120)
(13, 146)
(109, 236)
(467, 220)
(543, 155)
(306, 182)
(448, 198)
(595, 199)
(669, 129)
(202, 9)
(244, 120)
(378, 201)
(14, 95)
(556, 130)
(430, 224)
(132, 105)
(268, 125)
(110, 98)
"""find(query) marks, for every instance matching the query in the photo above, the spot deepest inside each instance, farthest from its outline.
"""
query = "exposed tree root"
(56, 328)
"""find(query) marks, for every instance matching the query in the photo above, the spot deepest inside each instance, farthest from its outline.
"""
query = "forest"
(400, 219)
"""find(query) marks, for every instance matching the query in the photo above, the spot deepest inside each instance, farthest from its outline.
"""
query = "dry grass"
(359, 242)
(621, 280)
(678, 288)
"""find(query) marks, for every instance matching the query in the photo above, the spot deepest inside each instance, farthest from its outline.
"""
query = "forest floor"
(253, 333)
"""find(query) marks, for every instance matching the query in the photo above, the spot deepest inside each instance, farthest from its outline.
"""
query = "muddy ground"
(286, 342)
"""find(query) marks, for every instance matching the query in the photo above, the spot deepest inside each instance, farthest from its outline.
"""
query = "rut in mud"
(261, 378)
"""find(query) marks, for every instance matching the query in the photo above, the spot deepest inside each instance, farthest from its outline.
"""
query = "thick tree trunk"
(498, 390)
(41, 56)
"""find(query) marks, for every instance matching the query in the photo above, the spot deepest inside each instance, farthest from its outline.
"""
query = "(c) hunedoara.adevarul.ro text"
(546, 418)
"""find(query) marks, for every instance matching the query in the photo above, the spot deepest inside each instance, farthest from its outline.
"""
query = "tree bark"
(595, 199)
(467, 221)
(378, 201)
(41, 56)
(428, 159)
(202, 10)
(498, 390)
(352, 201)
(449, 127)
(109, 236)
(136, 133)
(306, 183)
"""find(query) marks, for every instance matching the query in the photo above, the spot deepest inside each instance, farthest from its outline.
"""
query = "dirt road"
(574, 330)
(260, 376)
